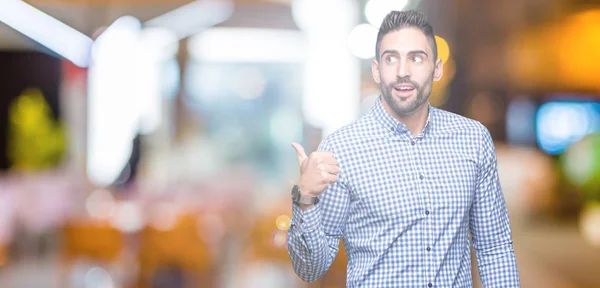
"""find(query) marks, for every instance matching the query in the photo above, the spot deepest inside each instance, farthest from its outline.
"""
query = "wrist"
(300, 197)
(305, 207)
(304, 192)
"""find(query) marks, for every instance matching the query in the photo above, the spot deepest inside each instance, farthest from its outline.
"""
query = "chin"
(410, 108)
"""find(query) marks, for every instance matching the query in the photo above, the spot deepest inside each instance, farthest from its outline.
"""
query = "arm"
(314, 234)
(489, 224)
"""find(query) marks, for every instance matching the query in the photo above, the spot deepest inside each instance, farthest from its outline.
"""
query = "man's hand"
(317, 171)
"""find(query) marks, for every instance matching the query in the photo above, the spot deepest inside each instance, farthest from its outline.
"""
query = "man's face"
(405, 70)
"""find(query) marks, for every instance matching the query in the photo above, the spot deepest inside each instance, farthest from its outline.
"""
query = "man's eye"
(391, 59)
(417, 59)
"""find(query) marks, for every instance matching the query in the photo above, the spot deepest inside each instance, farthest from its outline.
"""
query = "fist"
(317, 171)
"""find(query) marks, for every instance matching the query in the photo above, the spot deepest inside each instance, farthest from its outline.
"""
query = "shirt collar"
(390, 123)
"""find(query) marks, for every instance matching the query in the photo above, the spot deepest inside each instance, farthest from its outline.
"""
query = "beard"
(400, 108)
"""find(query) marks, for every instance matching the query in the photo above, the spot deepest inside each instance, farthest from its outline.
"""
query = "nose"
(403, 69)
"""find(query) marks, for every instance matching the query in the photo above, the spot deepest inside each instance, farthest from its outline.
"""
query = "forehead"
(404, 40)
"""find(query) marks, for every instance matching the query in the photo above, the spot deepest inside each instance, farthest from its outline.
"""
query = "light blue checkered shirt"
(404, 206)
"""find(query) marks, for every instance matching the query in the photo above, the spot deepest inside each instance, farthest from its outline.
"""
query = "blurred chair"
(92, 240)
(265, 250)
(178, 251)
(267, 243)
(4, 254)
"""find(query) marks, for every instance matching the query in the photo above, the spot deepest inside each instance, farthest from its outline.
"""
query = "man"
(404, 184)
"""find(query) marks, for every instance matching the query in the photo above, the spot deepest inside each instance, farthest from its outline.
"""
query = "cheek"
(423, 75)
(387, 74)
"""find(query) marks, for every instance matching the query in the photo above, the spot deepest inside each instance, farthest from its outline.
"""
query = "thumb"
(300, 152)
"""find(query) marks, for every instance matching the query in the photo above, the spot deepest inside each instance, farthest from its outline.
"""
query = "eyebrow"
(412, 52)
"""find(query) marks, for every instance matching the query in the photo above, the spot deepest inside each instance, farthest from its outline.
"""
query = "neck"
(415, 121)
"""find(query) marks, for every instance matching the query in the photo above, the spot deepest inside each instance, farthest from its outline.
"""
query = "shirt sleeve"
(489, 224)
(314, 234)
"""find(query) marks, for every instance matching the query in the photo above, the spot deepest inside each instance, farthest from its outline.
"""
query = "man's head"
(406, 61)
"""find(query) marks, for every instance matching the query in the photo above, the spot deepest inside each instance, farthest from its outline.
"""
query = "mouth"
(404, 90)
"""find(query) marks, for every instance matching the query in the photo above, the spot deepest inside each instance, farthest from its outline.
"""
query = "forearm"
(492, 241)
(310, 249)
(498, 266)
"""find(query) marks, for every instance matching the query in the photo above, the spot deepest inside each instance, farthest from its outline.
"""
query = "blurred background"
(146, 143)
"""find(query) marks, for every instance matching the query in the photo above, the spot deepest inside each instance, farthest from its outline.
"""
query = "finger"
(325, 157)
(332, 178)
(299, 152)
(328, 178)
(331, 169)
(324, 176)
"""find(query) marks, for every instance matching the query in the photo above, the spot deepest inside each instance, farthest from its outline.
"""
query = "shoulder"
(465, 134)
(349, 135)
(450, 122)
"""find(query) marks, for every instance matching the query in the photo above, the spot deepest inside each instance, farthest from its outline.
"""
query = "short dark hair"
(397, 20)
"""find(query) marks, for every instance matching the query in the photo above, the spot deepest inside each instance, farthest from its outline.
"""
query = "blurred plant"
(35, 140)
(581, 166)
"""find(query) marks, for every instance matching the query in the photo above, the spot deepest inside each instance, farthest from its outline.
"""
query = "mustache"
(405, 80)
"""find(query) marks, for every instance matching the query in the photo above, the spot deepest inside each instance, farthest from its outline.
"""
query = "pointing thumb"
(300, 152)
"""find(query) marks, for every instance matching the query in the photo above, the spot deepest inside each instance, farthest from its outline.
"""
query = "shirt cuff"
(306, 221)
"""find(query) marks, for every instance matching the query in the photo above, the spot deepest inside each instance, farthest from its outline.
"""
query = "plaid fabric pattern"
(406, 206)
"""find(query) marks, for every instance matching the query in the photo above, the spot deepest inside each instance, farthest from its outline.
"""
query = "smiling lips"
(404, 89)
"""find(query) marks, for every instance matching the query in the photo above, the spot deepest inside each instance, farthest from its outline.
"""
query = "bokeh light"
(443, 48)
(562, 123)
(100, 204)
(279, 238)
(361, 41)
(283, 222)
(581, 165)
(97, 277)
(128, 217)
(165, 216)
(376, 10)
(439, 89)
(589, 223)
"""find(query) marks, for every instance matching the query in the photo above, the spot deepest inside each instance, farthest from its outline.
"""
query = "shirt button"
(413, 143)
(428, 249)
(392, 129)
(426, 212)
(421, 177)
(429, 285)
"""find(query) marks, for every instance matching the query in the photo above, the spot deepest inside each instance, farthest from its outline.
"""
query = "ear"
(438, 70)
(375, 71)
